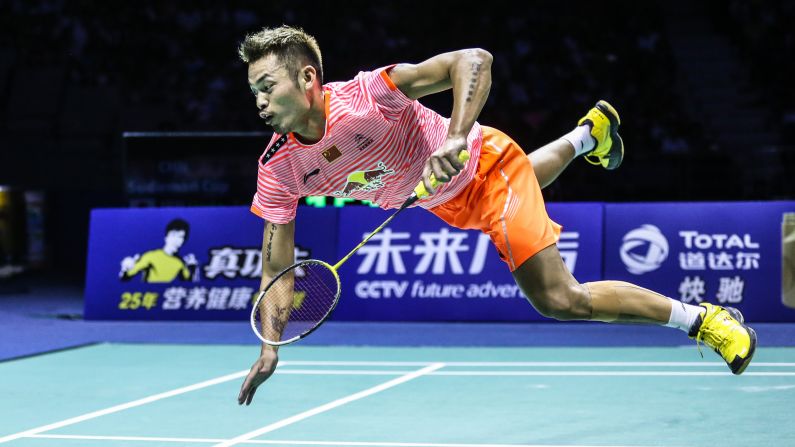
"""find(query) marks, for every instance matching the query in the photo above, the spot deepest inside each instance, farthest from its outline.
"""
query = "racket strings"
(297, 301)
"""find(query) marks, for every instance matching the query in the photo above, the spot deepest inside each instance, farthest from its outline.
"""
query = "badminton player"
(370, 139)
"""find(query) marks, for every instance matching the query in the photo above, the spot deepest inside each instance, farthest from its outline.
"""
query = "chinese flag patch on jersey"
(332, 154)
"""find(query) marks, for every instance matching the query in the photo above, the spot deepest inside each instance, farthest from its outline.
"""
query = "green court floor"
(172, 395)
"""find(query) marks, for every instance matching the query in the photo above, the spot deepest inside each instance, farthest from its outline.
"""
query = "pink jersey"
(375, 145)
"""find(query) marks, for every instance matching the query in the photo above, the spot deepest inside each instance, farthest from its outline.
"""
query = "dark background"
(704, 89)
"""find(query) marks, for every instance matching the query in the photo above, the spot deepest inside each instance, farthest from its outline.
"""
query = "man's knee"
(563, 303)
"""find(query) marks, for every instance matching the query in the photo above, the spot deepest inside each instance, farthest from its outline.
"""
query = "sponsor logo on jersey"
(308, 175)
(361, 141)
(365, 180)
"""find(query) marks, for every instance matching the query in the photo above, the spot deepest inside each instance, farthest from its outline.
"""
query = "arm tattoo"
(270, 241)
(278, 321)
(473, 83)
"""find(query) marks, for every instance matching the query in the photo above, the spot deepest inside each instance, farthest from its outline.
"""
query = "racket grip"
(420, 190)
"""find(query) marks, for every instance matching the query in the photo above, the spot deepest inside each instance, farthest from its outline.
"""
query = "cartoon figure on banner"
(163, 265)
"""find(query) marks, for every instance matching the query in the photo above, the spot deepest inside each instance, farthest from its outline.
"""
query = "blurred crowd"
(763, 31)
(178, 60)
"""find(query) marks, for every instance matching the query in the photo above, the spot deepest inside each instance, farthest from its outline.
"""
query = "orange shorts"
(504, 201)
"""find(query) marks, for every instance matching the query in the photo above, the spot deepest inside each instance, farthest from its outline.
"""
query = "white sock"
(581, 139)
(683, 315)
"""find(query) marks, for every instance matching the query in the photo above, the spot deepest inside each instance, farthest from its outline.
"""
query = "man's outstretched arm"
(278, 253)
(468, 73)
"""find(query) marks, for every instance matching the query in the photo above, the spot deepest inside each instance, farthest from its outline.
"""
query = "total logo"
(644, 249)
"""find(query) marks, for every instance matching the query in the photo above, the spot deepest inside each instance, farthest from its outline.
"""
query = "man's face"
(282, 97)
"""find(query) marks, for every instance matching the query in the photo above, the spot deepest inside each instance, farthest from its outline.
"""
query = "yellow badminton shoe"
(604, 122)
(723, 330)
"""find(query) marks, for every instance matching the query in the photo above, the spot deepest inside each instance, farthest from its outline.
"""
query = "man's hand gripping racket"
(301, 297)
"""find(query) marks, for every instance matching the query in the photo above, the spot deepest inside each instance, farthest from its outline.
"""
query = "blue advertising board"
(725, 253)
(421, 269)
(205, 263)
(186, 263)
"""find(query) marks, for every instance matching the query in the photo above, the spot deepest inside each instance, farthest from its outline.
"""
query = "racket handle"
(420, 190)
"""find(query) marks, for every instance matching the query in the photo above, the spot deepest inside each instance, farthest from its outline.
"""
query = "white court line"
(328, 443)
(125, 406)
(539, 364)
(331, 405)
(608, 373)
(384, 372)
(127, 438)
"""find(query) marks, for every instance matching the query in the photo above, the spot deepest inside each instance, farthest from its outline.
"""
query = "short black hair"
(178, 225)
(291, 44)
